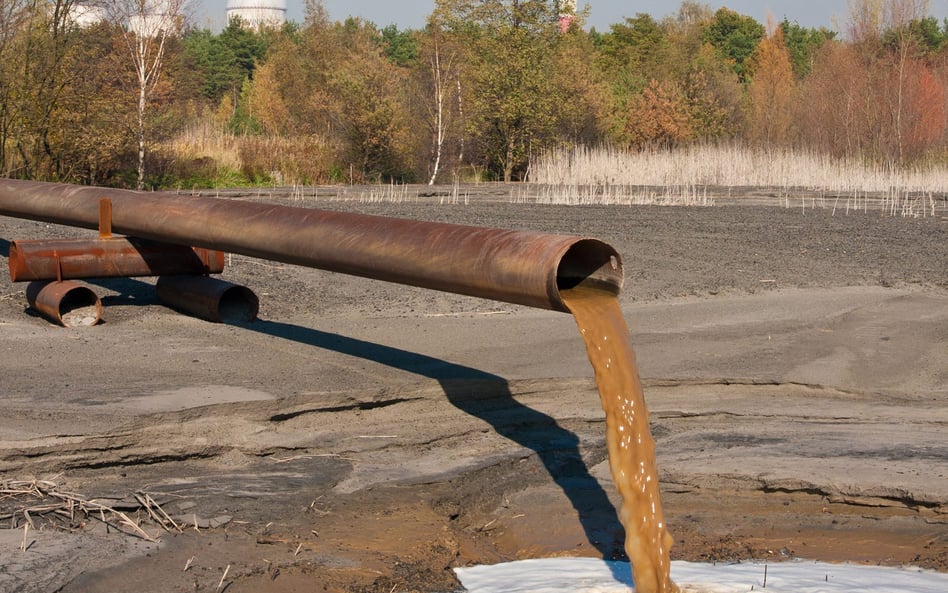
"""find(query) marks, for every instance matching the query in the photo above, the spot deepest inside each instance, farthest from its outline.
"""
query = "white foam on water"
(591, 575)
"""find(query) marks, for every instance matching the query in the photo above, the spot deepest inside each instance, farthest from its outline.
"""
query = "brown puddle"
(629, 440)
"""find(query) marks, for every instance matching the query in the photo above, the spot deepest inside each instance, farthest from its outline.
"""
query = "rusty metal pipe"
(114, 257)
(519, 267)
(68, 303)
(211, 299)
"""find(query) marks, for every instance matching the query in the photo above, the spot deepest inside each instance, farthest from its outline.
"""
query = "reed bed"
(609, 175)
(609, 194)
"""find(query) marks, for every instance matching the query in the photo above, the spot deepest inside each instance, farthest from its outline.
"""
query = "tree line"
(484, 87)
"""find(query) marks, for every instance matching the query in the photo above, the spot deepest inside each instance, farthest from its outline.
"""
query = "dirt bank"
(363, 436)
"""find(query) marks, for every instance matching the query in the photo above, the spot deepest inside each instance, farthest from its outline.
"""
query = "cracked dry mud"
(363, 436)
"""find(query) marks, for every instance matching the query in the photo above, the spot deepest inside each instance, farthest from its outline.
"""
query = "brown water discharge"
(630, 443)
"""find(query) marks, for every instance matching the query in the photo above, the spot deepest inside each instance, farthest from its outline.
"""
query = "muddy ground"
(363, 436)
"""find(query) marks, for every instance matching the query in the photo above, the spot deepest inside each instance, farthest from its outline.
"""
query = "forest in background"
(481, 92)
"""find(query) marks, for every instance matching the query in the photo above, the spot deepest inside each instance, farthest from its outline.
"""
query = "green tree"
(248, 47)
(736, 36)
(803, 43)
(401, 47)
(210, 66)
(514, 104)
(634, 44)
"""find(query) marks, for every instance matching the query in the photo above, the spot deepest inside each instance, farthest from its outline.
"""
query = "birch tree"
(441, 81)
(147, 25)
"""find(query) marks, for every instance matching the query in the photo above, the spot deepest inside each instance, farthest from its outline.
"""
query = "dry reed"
(34, 500)
(682, 176)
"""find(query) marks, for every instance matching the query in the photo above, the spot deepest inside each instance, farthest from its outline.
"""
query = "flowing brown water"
(629, 440)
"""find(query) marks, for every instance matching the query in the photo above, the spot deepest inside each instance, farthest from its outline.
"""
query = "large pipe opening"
(590, 263)
(68, 304)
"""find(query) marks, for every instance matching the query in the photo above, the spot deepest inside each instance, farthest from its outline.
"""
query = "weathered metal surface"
(211, 299)
(520, 267)
(68, 303)
(114, 257)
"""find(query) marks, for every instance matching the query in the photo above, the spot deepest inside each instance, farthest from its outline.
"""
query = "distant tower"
(567, 14)
(257, 13)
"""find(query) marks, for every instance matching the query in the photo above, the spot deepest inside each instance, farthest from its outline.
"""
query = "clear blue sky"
(411, 14)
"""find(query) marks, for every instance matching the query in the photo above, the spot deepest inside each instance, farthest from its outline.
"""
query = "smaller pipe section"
(208, 298)
(68, 303)
(114, 257)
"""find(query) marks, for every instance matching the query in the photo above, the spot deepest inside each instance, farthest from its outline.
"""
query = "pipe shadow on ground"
(556, 447)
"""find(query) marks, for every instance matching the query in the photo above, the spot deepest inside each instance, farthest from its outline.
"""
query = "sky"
(411, 14)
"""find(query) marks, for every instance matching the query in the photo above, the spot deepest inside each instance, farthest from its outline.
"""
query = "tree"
(734, 35)
(714, 96)
(401, 47)
(13, 16)
(658, 117)
(634, 44)
(93, 114)
(334, 84)
(802, 43)
(438, 76)
(147, 25)
(771, 91)
(514, 106)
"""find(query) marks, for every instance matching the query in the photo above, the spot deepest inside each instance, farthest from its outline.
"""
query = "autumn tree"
(906, 66)
(94, 113)
(514, 106)
(437, 76)
(147, 26)
(713, 95)
(771, 92)
(13, 19)
(35, 76)
(658, 117)
(334, 82)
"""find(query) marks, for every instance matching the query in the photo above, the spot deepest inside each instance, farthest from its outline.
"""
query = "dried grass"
(43, 502)
(682, 176)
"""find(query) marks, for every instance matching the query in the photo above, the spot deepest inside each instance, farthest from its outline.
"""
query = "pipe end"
(68, 304)
(589, 263)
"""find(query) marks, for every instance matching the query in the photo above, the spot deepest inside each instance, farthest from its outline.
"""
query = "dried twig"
(223, 576)
(36, 499)
(155, 511)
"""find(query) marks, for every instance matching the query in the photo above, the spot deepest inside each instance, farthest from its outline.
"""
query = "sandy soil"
(363, 436)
